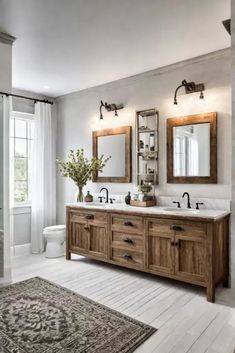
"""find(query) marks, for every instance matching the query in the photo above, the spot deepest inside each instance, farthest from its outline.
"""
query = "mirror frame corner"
(127, 130)
(210, 118)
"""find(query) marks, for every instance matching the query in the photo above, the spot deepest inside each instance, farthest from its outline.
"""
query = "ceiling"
(71, 45)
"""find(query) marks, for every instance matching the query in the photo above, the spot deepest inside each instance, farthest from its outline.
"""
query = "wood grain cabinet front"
(177, 248)
(181, 248)
(87, 234)
(160, 252)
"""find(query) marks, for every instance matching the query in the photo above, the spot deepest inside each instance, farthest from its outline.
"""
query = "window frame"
(23, 116)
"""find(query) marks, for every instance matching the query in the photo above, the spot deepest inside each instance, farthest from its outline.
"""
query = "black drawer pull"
(89, 216)
(172, 243)
(86, 228)
(128, 223)
(176, 228)
(128, 240)
(127, 257)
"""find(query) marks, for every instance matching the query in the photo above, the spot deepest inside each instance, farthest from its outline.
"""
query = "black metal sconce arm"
(110, 108)
(176, 91)
(190, 87)
(101, 106)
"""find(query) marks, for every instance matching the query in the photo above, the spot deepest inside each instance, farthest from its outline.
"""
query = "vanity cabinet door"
(98, 244)
(160, 249)
(190, 253)
(78, 237)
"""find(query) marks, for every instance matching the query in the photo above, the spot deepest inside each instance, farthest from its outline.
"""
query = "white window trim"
(23, 116)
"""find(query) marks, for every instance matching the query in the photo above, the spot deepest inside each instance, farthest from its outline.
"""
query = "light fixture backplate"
(197, 88)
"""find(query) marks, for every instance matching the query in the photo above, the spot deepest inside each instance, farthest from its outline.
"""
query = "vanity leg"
(227, 282)
(68, 255)
(210, 293)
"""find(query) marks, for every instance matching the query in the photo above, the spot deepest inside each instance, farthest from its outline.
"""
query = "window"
(21, 144)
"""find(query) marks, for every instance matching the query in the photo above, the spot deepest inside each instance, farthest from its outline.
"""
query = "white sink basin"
(184, 210)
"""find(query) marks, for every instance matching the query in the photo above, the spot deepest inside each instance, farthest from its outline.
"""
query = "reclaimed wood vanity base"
(189, 249)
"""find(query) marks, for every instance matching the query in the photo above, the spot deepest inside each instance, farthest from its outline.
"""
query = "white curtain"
(43, 175)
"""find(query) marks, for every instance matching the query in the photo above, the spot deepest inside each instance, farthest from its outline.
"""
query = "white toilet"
(55, 240)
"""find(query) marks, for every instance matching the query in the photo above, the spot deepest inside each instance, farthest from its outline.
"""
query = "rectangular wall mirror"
(192, 149)
(116, 143)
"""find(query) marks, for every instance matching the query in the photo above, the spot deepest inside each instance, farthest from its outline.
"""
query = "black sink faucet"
(188, 202)
(107, 194)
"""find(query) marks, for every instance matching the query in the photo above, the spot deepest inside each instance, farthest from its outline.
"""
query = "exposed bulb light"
(110, 108)
(189, 87)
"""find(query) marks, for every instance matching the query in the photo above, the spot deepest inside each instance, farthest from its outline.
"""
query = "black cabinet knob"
(176, 228)
(127, 257)
(128, 240)
(128, 223)
(89, 216)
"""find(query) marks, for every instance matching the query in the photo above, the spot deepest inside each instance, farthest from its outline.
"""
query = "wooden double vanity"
(190, 246)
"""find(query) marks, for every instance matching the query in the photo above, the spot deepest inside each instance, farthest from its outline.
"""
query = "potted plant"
(80, 169)
(145, 189)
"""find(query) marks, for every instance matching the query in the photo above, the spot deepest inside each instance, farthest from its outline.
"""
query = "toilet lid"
(54, 228)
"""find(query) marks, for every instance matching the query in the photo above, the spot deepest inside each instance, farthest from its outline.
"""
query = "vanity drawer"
(189, 229)
(92, 217)
(127, 224)
(127, 241)
(159, 227)
(182, 228)
(127, 257)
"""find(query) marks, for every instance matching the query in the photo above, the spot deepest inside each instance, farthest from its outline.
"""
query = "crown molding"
(6, 38)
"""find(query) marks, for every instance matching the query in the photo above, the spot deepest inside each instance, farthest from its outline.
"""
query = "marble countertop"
(211, 214)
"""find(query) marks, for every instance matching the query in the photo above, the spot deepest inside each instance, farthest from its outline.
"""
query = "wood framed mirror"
(192, 149)
(115, 142)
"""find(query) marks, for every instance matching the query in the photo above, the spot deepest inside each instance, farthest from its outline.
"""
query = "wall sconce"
(190, 87)
(110, 108)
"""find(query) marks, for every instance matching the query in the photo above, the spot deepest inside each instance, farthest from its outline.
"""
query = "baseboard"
(21, 250)
(6, 279)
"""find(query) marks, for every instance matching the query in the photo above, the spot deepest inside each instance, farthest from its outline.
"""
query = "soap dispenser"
(128, 198)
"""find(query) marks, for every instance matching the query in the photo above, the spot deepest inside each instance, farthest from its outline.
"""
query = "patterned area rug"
(37, 316)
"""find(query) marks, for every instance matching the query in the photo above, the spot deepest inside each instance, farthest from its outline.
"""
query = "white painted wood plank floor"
(186, 322)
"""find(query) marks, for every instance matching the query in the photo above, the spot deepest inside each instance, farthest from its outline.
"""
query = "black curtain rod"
(24, 97)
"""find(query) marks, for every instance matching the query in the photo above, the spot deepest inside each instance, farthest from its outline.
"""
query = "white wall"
(78, 116)
(5, 86)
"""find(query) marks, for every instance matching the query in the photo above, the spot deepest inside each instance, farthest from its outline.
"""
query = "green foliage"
(79, 168)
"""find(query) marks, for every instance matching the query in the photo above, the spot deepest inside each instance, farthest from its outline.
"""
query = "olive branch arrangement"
(80, 169)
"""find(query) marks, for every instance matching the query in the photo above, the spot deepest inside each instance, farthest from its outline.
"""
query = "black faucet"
(188, 202)
(107, 194)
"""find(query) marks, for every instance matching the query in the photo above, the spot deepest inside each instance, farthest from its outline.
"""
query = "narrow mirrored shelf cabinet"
(147, 146)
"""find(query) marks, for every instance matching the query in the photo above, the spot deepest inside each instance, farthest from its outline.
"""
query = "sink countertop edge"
(203, 214)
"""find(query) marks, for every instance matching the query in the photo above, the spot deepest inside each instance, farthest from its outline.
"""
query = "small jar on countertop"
(88, 197)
